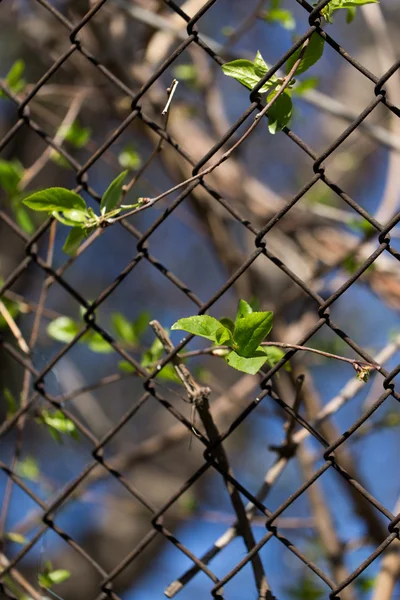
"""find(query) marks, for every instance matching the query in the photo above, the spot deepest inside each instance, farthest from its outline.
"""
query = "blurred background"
(189, 257)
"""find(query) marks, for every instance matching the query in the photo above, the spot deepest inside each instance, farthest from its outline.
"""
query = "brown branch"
(199, 396)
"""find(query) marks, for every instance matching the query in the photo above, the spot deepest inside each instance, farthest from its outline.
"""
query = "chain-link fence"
(214, 422)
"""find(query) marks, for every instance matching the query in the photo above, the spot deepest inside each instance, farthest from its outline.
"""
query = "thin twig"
(149, 202)
(348, 392)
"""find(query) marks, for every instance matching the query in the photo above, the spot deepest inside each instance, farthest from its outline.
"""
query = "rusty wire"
(212, 444)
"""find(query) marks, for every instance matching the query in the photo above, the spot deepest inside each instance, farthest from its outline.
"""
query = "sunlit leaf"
(55, 199)
(63, 329)
(310, 56)
(113, 194)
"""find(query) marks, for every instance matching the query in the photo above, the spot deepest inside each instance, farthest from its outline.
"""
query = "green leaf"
(129, 158)
(351, 3)
(246, 365)
(250, 331)
(23, 219)
(14, 78)
(44, 581)
(74, 240)
(168, 373)
(59, 159)
(350, 15)
(274, 355)
(124, 328)
(15, 537)
(186, 73)
(63, 329)
(58, 422)
(97, 343)
(58, 576)
(280, 112)
(12, 308)
(223, 336)
(75, 134)
(126, 366)
(28, 468)
(243, 71)
(305, 85)
(228, 323)
(11, 402)
(202, 325)
(281, 17)
(11, 173)
(243, 309)
(56, 198)
(361, 225)
(153, 354)
(311, 55)
(113, 194)
(305, 589)
(260, 66)
(141, 323)
(365, 584)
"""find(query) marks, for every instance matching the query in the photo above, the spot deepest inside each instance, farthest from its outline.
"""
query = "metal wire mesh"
(214, 457)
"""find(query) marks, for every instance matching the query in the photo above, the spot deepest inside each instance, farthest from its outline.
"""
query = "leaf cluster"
(70, 209)
(242, 336)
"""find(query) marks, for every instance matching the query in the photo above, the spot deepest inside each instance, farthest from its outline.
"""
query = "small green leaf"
(58, 576)
(129, 158)
(63, 329)
(281, 17)
(168, 373)
(351, 3)
(260, 66)
(11, 402)
(96, 343)
(280, 112)
(28, 468)
(186, 73)
(23, 219)
(126, 366)
(202, 325)
(250, 331)
(365, 584)
(350, 14)
(11, 173)
(361, 225)
(113, 194)
(14, 78)
(44, 580)
(305, 85)
(243, 309)
(75, 134)
(311, 55)
(58, 422)
(59, 159)
(74, 240)
(246, 365)
(15, 537)
(228, 323)
(12, 308)
(153, 354)
(223, 336)
(124, 328)
(141, 323)
(58, 199)
(243, 71)
(274, 355)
